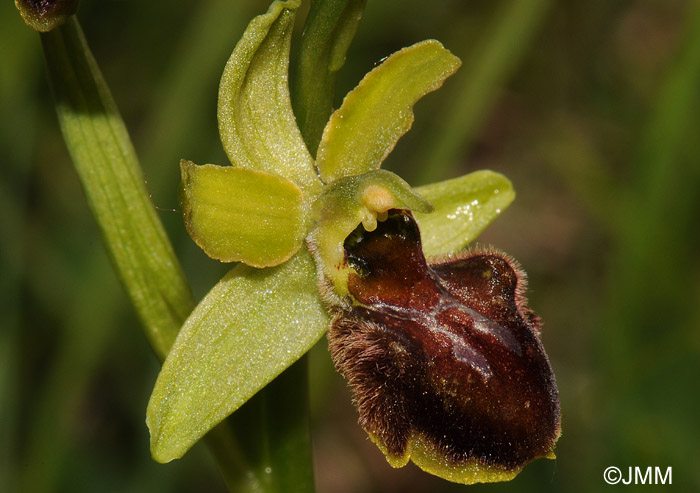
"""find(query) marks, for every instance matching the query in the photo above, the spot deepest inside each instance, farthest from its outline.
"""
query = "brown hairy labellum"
(444, 359)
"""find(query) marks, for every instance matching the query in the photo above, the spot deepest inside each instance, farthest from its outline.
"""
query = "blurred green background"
(591, 108)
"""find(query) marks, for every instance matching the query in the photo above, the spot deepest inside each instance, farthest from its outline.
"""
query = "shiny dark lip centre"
(457, 355)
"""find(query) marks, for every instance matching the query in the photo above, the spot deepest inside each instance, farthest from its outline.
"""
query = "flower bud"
(444, 359)
(45, 15)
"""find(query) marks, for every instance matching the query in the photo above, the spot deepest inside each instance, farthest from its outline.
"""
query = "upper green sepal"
(241, 214)
(464, 206)
(256, 123)
(374, 115)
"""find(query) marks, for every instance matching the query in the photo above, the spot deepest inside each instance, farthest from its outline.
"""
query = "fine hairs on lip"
(444, 360)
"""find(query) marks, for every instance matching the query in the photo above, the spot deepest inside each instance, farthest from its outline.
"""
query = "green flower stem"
(284, 458)
(328, 31)
(114, 185)
(479, 84)
(280, 458)
(224, 444)
(273, 430)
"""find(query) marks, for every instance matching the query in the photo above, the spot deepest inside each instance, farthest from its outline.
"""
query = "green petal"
(240, 214)
(256, 122)
(464, 206)
(374, 115)
(251, 326)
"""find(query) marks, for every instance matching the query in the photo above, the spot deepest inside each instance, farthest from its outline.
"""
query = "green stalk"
(273, 427)
(274, 424)
(479, 83)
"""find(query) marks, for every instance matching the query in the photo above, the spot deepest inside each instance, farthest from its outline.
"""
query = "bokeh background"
(590, 108)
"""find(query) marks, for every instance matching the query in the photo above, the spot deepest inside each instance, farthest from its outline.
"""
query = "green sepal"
(464, 206)
(250, 327)
(242, 215)
(374, 115)
(256, 123)
(344, 205)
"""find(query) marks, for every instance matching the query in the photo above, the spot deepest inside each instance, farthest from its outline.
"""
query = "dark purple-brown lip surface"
(448, 352)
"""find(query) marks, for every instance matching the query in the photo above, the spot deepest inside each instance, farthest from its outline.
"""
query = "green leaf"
(464, 206)
(256, 122)
(328, 31)
(374, 115)
(240, 214)
(110, 174)
(251, 326)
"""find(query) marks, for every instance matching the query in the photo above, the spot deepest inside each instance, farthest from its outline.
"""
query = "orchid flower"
(443, 355)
